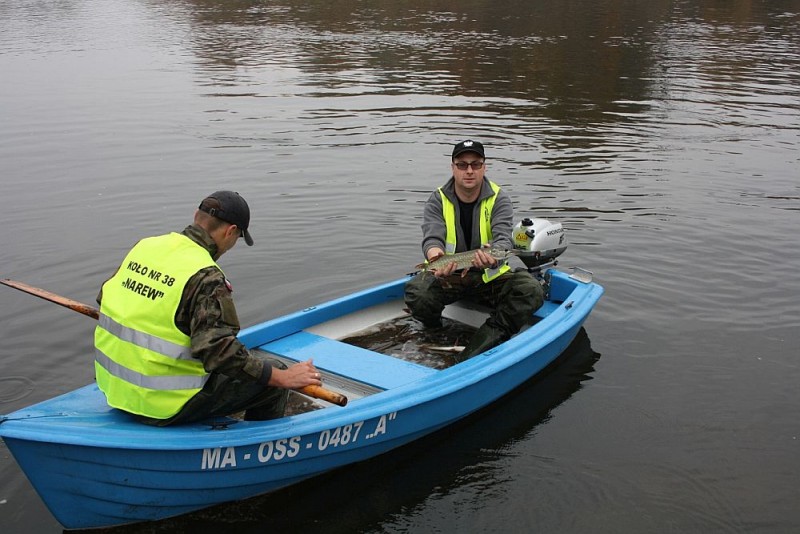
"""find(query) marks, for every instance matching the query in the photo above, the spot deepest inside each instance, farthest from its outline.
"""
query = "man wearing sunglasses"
(467, 213)
(166, 346)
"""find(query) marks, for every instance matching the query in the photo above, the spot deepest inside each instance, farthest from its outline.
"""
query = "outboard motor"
(538, 242)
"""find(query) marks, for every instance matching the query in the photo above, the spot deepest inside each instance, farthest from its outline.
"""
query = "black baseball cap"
(468, 146)
(230, 207)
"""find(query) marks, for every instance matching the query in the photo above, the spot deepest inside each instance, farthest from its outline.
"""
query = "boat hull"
(95, 466)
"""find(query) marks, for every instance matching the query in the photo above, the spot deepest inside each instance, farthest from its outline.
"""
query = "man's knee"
(422, 300)
(522, 295)
(528, 290)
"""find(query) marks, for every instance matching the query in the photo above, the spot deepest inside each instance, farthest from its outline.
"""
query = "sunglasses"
(462, 165)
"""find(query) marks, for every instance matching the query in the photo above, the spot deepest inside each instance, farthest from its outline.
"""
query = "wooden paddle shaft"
(316, 392)
(52, 297)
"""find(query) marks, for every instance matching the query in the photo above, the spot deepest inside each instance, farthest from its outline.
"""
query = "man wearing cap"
(166, 349)
(470, 212)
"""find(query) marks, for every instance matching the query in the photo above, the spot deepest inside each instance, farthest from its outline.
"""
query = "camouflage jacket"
(206, 314)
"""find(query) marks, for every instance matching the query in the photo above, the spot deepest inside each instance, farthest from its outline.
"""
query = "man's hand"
(483, 260)
(434, 254)
(299, 375)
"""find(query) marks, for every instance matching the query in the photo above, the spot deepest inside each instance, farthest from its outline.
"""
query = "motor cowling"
(538, 241)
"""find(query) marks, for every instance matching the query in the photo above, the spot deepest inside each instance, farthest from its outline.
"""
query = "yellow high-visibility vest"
(143, 362)
(485, 217)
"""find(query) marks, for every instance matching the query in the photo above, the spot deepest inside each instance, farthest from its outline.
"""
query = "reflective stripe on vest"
(143, 362)
(485, 220)
(149, 382)
(167, 348)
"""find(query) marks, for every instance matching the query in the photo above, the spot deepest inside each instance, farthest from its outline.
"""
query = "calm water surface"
(664, 135)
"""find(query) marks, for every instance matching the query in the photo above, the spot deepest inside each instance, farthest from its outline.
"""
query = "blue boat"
(94, 466)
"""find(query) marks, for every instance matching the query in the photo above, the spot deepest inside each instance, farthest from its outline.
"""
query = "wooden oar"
(316, 392)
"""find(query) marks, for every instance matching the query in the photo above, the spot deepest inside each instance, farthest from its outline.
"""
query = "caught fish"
(463, 260)
(454, 348)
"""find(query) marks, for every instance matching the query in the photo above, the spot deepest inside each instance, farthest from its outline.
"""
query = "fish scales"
(463, 260)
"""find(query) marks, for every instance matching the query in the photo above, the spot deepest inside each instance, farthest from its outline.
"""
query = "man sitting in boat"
(470, 212)
(166, 349)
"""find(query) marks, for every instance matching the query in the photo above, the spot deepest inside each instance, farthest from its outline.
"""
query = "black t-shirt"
(465, 214)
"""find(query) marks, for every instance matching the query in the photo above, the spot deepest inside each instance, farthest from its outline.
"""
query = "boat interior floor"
(405, 349)
(378, 348)
(375, 349)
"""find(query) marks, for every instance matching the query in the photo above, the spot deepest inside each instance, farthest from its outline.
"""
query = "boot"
(486, 337)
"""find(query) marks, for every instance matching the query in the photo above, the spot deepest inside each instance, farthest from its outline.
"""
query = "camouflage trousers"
(512, 297)
(223, 395)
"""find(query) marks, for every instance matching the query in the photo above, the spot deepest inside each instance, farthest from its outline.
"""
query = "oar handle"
(321, 393)
(316, 392)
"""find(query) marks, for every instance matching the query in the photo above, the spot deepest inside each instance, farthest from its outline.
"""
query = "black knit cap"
(468, 146)
(229, 207)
